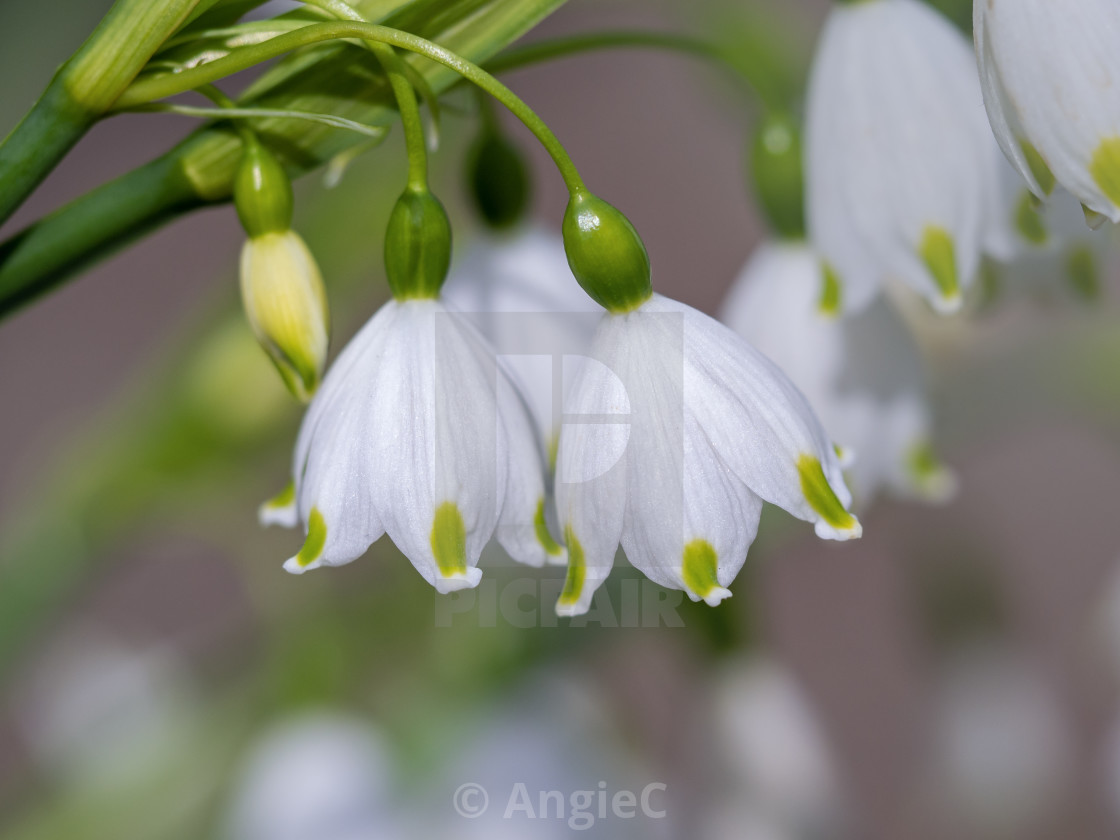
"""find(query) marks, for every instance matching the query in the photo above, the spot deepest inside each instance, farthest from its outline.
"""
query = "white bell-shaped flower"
(1050, 72)
(519, 291)
(863, 375)
(900, 161)
(675, 433)
(417, 432)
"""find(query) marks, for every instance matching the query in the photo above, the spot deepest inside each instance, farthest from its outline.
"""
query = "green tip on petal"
(1083, 272)
(1105, 168)
(1039, 168)
(940, 256)
(699, 572)
(931, 479)
(839, 523)
(1093, 219)
(832, 292)
(1028, 220)
(313, 546)
(449, 541)
(544, 537)
(577, 575)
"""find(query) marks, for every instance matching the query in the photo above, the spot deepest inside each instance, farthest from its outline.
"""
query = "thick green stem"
(83, 89)
(96, 224)
(243, 58)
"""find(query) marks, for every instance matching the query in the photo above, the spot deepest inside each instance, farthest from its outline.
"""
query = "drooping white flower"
(862, 375)
(900, 162)
(681, 431)
(1050, 72)
(518, 289)
(417, 432)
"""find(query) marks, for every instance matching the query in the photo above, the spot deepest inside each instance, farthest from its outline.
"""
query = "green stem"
(391, 63)
(83, 89)
(147, 90)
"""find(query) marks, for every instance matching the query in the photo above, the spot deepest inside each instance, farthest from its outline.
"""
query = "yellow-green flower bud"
(417, 246)
(499, 180)
(262, 192)
(284, 297)
(606, 254)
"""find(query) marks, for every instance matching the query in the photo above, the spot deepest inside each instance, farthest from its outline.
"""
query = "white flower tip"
(458, 580)
(930, 480)
(293, 566)
(948, 304)
(716, 595)
(280, 509)
(558, 559)
(570, 609)
(845, 455)
(852, 530)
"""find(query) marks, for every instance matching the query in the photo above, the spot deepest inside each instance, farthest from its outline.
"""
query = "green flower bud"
(499, 180)
(417, 246)
(779, 184)
(606, 254)
(262, 192)
(286, 302)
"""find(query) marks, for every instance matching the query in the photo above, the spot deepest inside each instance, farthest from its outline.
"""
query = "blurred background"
(951, 675)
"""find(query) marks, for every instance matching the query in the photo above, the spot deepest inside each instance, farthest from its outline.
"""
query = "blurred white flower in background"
(1002, 749)
(315, 776)
(100, 712)
(862, 374)
(781, 781)
(1050, 72)
(901, 167)
(501, 280)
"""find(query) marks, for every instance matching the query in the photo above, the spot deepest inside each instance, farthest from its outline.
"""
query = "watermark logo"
(580, 810)
(529, 602)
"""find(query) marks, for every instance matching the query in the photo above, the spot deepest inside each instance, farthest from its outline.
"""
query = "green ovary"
(316, 538)
(820, 495)
(1105, 168)
(940, 256)
(699, 568)
(577, 570)
(449, 540)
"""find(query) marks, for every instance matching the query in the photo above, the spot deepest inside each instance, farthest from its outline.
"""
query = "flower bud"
(499, 180)
(262, 192)
(775, 158)
(417, 246)
(606, 254)
(284, 297)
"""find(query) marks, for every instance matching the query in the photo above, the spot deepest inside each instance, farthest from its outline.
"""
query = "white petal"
(591, 471)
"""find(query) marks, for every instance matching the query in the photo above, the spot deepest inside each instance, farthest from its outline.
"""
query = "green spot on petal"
(1028, 220)
(540, 524)
(316, 538)
(449, 540)
(1105, 168)
(1039, 168)
(832, 291)
(820, 495)
(939, 254)
(922, 461)
(699, 568)
(577, 570)
(285, 498)
(1081, 269)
